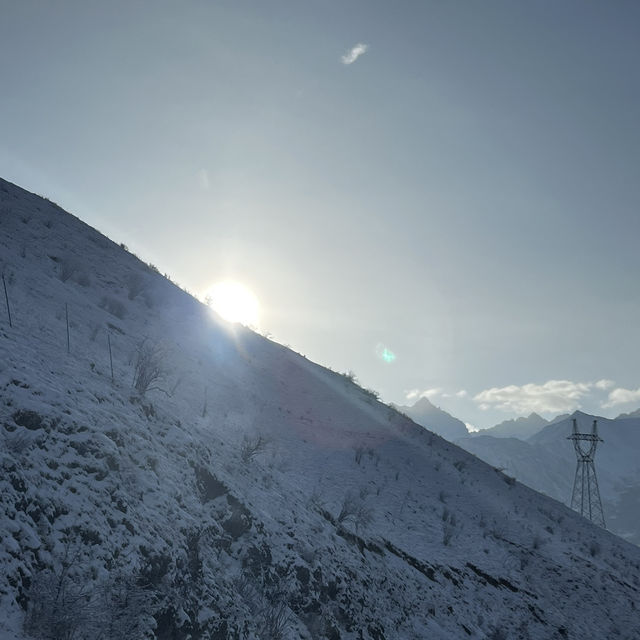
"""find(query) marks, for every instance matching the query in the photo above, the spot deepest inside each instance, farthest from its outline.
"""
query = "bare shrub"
(95, 328)
(68, 266)
(267, 604)
(136, 284)
(355, 510)
(113, 306)
(58, 607)
(448, 526)
(348, 508)
(63, 604)
(275, 620)
(148, 370)
(59, 601)
(17, 442)
(123, 608)
(83, 279)
(316, 501)
(252, 446)
(363, 517)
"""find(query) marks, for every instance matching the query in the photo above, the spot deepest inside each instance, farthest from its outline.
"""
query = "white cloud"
(471, 428)
(413, 394)
(604, 384)
(554, 396)
(351, 56)
(427, 393)
(622, 396)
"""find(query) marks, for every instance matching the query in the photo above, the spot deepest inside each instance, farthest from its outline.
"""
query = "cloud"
(622, 396)
(428, 393)
(604, 384)
(554, 396)
(432, 393)
(351, 56)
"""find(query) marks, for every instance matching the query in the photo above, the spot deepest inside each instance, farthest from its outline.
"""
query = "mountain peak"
(425, 413)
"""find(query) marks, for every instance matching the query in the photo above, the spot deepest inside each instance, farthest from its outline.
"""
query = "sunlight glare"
(234, 302)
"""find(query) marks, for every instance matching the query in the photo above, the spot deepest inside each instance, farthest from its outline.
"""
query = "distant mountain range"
(536, 452)
(516, 428)
(547, 462)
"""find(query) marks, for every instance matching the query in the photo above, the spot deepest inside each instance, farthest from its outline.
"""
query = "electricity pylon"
(585, 498)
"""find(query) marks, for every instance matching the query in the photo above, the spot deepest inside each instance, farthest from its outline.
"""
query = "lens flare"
(385, 354)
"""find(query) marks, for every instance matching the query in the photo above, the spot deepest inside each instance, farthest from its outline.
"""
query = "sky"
(442, 197)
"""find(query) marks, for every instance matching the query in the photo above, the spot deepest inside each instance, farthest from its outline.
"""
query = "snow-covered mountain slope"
(435, 419)
(241, 491)
(547, 462)
(521, 428)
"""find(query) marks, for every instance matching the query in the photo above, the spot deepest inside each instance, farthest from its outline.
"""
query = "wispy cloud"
(622, 396)
(354, 53)
(554, 396)
(604, 384)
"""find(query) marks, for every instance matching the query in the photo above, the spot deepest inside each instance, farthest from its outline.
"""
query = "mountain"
(520, 428)
(435, 419)
(631, 414)
(547, 462)
(166, 475)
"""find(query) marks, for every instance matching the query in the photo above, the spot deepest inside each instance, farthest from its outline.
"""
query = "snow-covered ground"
(248, 493)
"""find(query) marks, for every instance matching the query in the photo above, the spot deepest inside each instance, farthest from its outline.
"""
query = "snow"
(439, 544)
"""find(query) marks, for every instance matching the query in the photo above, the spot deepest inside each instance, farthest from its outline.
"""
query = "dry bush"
(253, 446)
(136, 284)
(67, 267)
(149, 370)
(113, 306)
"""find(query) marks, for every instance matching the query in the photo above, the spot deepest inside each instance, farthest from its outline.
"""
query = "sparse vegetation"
(113, 306)
(136, 284)
(149, 369)
(68, 266)
(253, 446)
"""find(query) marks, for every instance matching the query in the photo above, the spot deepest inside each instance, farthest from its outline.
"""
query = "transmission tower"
(586, 496)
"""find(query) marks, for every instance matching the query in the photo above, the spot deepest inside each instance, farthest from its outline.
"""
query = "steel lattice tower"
(585, 498)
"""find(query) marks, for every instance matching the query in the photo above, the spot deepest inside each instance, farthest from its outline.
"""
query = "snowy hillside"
(223, 486)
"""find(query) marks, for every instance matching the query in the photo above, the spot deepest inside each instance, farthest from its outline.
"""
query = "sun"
(234, 302)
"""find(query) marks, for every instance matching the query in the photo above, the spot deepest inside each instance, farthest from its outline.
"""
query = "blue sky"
(464, 192)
